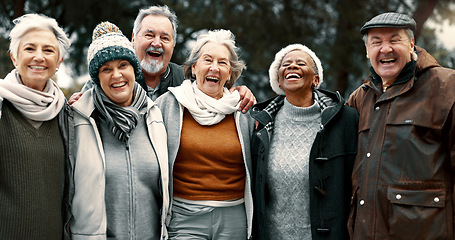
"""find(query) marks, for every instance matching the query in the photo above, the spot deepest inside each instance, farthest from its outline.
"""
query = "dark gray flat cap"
(390, 19)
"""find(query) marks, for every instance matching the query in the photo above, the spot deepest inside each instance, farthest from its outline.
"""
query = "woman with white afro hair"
(273, 70)
(303, 149)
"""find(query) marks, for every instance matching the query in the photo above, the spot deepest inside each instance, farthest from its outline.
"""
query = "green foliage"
(262, 27)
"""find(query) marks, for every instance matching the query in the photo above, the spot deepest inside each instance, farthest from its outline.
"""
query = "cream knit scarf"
(33, 104)
(205, 109)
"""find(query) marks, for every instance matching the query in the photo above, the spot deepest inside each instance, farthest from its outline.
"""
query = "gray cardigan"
(172, 112)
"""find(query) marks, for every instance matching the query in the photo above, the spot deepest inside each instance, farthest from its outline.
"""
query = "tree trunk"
(423, 12)
(19, 6)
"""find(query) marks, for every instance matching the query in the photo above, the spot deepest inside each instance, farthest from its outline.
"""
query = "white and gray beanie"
(273, 70)
(108, 43)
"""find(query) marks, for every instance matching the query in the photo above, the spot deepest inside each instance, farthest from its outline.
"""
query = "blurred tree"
(262, 27)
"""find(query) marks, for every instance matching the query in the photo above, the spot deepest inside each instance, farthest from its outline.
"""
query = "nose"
(214, 67)
(292, 65)
(39, 55)
(116, 74)
(386, 47)
(156, 41)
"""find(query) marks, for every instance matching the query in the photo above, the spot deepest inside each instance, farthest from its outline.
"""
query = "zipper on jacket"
(129, 166)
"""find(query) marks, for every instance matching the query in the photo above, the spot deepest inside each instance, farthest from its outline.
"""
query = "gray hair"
(221, 36)
(33, 21)
(408, 31)
(156, 11)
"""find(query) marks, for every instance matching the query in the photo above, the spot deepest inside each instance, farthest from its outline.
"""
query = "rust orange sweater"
(209, 163)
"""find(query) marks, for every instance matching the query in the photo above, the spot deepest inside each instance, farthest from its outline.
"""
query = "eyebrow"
(151, 31)
(47, 45)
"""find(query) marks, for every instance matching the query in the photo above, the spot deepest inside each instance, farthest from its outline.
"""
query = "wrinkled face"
(212, 69)
(154, 44)
(117, 81)
(37, 58)
(389, 49)
(296, 73)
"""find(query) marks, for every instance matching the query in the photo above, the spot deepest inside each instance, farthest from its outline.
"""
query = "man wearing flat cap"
(403, 176)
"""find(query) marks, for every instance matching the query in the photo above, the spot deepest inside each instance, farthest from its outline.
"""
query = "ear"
(15, 63)
(316, 80)
(58, 65)
(366, 50)
(132, 39)
(412, 45)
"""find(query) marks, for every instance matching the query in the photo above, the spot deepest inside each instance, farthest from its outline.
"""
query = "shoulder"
(166, 99)
(357, 96)
(168, 104)
(176, 71)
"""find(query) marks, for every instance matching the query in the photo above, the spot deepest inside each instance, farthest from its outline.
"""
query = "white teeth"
(292, 75)
(37, 67)
(117, 85)
(212, 78)
(388, 60)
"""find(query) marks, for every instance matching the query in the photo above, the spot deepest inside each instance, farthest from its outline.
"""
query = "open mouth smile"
(388, 60)
(154, 52)
(38, 67)
(212, 79)
(292, 76)
(119, 85)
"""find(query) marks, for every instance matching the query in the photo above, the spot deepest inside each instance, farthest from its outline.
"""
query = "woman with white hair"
(209, 145)
(34, 132)
(303, 150)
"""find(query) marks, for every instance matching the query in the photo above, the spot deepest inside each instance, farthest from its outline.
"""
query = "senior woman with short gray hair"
(34, 132)
(209, 145)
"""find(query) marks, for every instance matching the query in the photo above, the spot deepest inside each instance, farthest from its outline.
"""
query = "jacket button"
(398, 196)
(436, 199)
(368, 155)
(362, 202)
(259, 134)
(377, 108)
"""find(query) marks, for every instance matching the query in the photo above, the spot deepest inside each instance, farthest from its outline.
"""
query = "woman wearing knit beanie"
(209, 145)
(34, 132)
(303, 149)
(121, 173)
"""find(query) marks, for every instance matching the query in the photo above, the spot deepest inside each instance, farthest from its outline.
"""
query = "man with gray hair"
(403, 176)
(154, 39)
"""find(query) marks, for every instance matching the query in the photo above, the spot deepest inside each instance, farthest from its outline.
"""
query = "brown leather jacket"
(403, 177)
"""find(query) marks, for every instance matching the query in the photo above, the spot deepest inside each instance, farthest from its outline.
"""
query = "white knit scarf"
(205, 109)
(33, 104)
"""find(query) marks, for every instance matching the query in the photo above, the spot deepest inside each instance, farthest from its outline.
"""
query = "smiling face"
(212, 69)
(296, 74)
(154, 44)
(389, 49)
(37, 58)
(117, 81)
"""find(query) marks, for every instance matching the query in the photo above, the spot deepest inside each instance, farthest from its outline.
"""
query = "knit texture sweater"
(209, 163)
(31, 177)
(288, 215)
